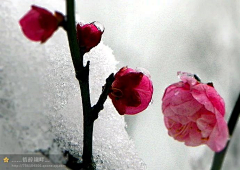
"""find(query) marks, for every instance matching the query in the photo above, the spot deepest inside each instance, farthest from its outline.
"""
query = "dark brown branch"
(99, 105)
(82, 74)
(77, 58)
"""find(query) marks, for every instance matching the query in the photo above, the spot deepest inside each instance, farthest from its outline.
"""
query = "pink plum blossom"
(39, 24)
(131, 91)
(194, 113)
(88, 35)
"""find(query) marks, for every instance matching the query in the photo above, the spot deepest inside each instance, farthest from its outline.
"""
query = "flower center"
(117, 93)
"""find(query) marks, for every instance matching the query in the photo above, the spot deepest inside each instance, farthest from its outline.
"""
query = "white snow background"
(163, 36)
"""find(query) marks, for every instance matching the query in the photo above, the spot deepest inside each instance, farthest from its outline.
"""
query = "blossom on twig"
(89, 35)
(194, 113)
(39, 24)
(131, 91)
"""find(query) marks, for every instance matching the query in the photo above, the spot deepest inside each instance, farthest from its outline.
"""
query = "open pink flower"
(89, 35)
(39, 24)
(194, 113)
(131, 91)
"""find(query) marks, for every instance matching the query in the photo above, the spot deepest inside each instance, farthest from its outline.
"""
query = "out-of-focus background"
(162, 36)
(166, 36)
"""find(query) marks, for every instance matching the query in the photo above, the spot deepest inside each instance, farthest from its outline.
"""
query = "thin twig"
(99, 105)
(77, 58)
(82, 74)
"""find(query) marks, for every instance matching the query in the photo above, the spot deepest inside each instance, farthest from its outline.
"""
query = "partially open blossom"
(194, 113)
(39, 24)
(131, 91)
(89, 35)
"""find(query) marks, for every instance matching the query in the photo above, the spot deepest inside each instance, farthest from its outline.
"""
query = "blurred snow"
(162, 36)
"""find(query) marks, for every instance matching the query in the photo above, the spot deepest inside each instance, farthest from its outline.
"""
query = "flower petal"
(209, 97)
(136, 90)
(194, 113)
(219, 136)
(88, 35)
(39, 24)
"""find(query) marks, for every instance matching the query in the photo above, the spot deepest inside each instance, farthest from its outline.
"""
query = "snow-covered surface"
(40, 97)
(163, 36)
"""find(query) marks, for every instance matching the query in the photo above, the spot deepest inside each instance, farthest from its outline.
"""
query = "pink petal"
(120, 106)
(194, 136)
(193, 113)
(219, 136)
(38, 24)
(132, 98)
(88, 35)
(206, 123)
(123, 71)
(209, 97)
(180, 101)
(136, 88)
(128, 81)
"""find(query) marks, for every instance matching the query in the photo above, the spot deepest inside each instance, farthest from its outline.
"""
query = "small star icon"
(5, 160)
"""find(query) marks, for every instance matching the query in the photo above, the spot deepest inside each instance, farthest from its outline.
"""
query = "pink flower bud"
(88, 35)
(39, 24)
(194, 113)
(131, 91)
